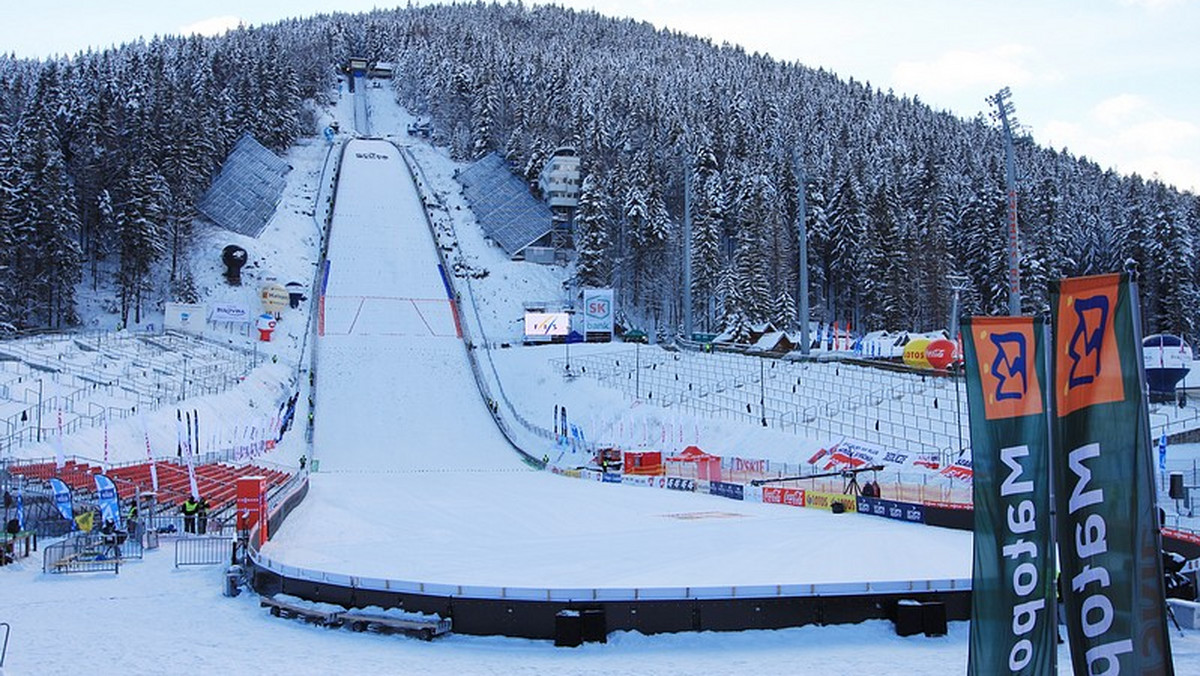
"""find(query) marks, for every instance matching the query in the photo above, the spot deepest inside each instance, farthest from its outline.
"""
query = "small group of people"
(871, 489)
(195, 515)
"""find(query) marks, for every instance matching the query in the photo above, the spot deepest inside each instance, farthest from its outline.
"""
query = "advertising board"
(598, 311)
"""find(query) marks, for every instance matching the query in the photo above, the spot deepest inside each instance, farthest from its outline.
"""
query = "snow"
(416, 482)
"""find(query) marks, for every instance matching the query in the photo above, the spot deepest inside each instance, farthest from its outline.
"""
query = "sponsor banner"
(677, 484)
(726, 490)
(962, 470)
(748, 466)
(1110, 549)
(928, 462)
(777, 495)
(891, 509)
(851, 453)
(106, 498)
(638, 480)
(598, 311)
(274, 298)
(611, 478)
(1013, 620)
(826, 500)
(960, 506)
(949, 517)
(230, 312)
(62, 499)
(188, 317)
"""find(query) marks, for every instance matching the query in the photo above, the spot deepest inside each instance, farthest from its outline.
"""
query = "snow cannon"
(940, 354)
(265, 326)
(914, 353)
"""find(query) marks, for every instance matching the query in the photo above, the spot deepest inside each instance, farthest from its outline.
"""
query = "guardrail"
(203, 550)
(90, 553)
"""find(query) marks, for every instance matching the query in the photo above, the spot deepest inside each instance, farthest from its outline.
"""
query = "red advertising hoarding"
(252, 505)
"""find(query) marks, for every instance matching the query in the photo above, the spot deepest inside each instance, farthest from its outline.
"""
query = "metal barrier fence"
(91, 553)
(203, 550)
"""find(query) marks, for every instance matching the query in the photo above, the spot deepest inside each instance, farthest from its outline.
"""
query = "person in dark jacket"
(189, 509)
(868, 490)
(202, 516)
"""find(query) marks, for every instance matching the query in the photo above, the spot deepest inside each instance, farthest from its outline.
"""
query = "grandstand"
(216, 482)
(243, 196)
(508, 213)
(89, 378)
(919, 412)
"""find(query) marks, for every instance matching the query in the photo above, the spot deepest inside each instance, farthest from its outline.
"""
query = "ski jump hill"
(422, 502)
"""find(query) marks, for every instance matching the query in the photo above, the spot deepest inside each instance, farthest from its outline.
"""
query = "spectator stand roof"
(243, 196)
(503, 205)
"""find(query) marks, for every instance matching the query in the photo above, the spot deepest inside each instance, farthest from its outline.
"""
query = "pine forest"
(104, 155)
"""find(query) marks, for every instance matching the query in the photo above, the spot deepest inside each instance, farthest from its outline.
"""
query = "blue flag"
(1162, 452)
(62, 499)
(106, 498)
(20, 511)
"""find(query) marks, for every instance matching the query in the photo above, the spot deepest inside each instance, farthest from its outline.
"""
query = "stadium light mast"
(687, 251)
(1005, 114)
(802, 254)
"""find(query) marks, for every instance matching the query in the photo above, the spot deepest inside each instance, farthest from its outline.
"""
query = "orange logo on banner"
(1088, 366)
(1007, 363)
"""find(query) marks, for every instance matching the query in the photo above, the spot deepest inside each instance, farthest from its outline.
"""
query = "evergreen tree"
(141, 224)
(593, 244)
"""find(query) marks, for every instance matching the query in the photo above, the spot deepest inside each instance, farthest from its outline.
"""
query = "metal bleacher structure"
(243, 196)
(508, 213)
(65, 383)
(900, 409)
(914, 413)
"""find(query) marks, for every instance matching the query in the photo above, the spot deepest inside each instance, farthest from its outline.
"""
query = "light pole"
(39, 415)
(183, 380)
(637, 370)
(762, 393)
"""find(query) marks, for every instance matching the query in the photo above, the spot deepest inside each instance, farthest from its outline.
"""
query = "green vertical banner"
(1013, 625)
(1109, 542)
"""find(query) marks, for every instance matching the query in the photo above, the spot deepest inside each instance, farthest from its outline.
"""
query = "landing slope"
(394, 385)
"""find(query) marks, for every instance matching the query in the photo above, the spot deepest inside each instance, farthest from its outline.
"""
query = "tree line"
(103, 155)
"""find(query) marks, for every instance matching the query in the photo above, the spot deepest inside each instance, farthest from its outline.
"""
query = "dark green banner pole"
(1013, 623)
(1108, 531)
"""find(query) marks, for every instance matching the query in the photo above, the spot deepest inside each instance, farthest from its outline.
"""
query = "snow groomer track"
(422, 503)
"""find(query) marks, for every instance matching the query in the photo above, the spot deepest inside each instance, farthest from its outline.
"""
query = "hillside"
(102, 160)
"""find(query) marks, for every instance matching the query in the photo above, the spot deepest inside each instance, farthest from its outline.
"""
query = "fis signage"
(1012, 607)
(540, 324)
(1109, 542)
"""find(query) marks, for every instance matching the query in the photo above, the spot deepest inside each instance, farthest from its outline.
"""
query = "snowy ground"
(154, 618)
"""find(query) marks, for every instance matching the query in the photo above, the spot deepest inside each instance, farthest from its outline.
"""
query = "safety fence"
(203, 550)
(91, 552)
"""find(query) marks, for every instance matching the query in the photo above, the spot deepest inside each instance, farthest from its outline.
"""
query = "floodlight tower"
(802, 254)
(1006, 115)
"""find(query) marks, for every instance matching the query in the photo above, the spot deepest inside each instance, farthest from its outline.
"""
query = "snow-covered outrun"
(416, 483)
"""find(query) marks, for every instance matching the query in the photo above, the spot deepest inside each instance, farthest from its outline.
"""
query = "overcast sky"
(1117, 81)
